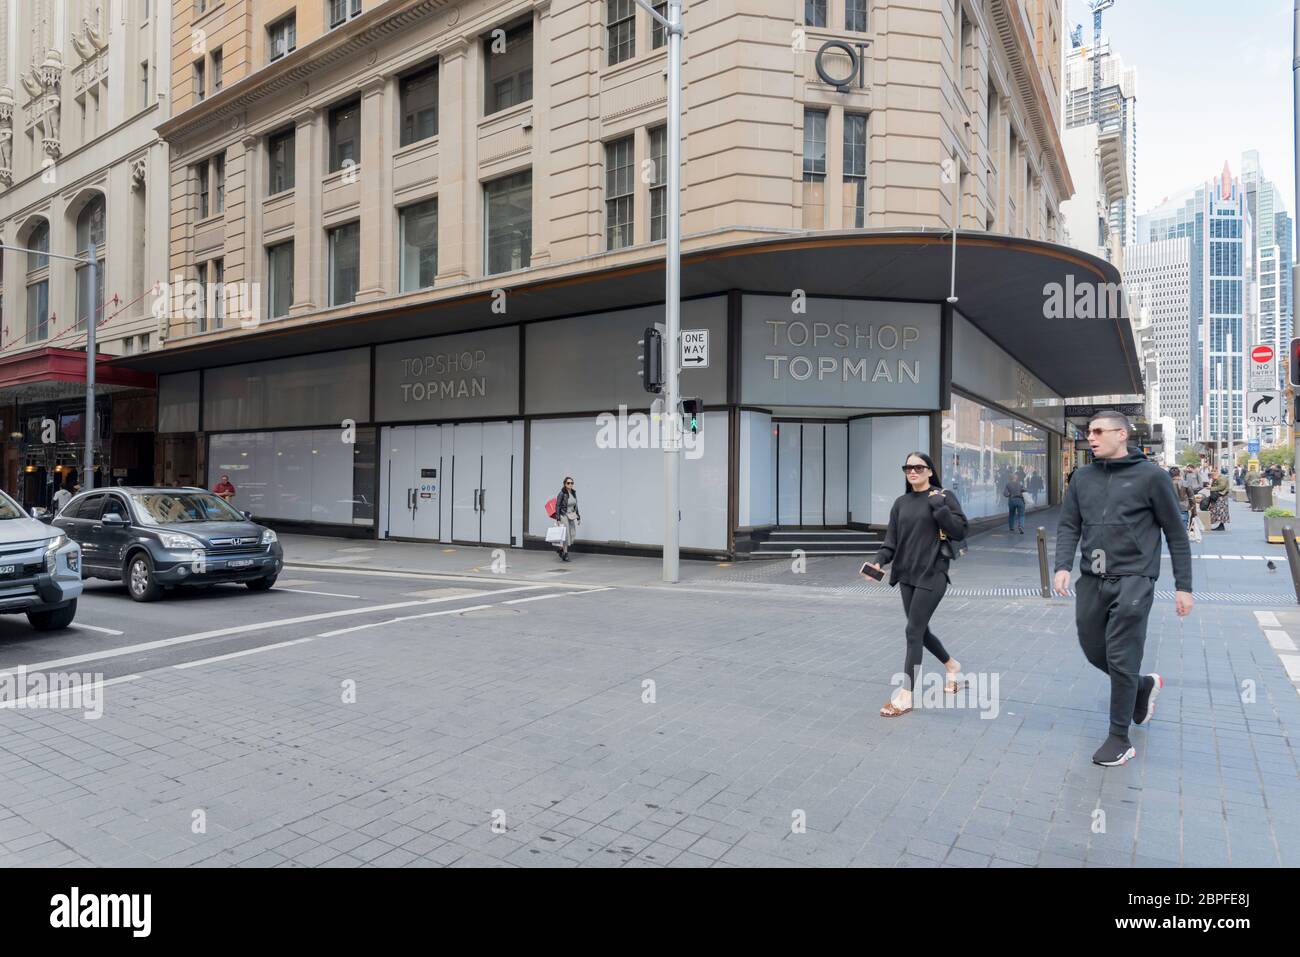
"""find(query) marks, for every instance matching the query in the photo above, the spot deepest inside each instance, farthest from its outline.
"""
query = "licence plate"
(7, 571)
(239, 563)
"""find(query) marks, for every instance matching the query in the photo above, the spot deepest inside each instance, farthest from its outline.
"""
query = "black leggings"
(920, 605)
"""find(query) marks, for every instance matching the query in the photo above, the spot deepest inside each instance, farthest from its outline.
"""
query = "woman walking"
(567, 515)
(1219, 502)
(913, 547)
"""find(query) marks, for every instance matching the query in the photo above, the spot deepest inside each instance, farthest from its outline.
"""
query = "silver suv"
(40, 569)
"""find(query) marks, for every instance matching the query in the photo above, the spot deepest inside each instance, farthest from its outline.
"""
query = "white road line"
(592, 591)
(393, 621)
(238, 630)
(1230, 557)
(1292, 665)
(327, 594)
(1280, 640)
(107, 631)
(426, 576)
(520, 601)
(1267, 619)
(240, 654)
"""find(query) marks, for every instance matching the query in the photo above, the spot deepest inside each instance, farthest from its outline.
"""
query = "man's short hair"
(1117, 420)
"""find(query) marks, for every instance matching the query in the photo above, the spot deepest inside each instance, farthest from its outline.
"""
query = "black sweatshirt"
(912, 540)
(1114, 511)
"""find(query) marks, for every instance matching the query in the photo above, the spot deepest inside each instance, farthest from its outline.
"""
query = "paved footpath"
(728, 721)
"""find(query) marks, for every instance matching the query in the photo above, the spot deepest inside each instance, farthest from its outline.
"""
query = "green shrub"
(1275, 511)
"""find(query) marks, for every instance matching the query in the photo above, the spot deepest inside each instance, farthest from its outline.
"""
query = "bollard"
(1042, 563)
(1292, 558)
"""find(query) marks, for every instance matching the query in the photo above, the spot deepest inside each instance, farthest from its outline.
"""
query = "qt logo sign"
(857, 73)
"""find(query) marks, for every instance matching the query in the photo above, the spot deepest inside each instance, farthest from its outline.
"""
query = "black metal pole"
(1292, 558)
(1044, 578)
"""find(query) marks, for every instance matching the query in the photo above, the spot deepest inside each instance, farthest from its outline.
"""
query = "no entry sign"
(1262, 353)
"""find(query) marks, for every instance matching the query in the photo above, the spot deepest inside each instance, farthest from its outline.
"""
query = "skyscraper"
(1272, 278)
(1216, 219)
(1116, 109)
(1157, 276)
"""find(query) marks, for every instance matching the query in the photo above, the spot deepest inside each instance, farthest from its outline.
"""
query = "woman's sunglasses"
(915, 468)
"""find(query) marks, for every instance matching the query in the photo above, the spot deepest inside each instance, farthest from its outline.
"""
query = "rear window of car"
(87, 507)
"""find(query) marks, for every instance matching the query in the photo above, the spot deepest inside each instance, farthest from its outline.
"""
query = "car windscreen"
(169, 508)
(9, 508)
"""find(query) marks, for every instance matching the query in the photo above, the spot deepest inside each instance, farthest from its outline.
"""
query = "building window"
(620, 30)
(814, 13)
(40, 241)
(419, 96)
(508, 80)
(658, 183)
(618, 193)
(280, 156)
(38, 311)
(218, 293)
(279, 276)
(201, 277)
(217, 66)
(855, 170)
(201, 171)
(200, 90)
(91, 234)
(508, 222)
(282, 37)
(418, 226)
(219, 181)
(658, 35)
(342, 10)
(855, 15)
(144, 84)
(200, 6)
(814, 169)
(345, 135)
(345, 263)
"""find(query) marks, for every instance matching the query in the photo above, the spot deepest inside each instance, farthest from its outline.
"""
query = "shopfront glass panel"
(982, 449)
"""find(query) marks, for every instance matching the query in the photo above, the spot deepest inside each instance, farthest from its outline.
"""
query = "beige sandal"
(952, 684)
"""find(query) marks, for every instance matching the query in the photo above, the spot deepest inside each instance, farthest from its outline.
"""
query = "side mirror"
(247, 515)
(112, 518)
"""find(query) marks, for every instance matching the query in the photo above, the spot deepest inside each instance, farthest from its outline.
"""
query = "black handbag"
(951, 548)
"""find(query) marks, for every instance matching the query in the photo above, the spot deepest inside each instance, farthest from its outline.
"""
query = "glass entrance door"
(812, 473)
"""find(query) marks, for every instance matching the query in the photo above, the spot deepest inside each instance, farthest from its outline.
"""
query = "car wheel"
(140, 583)
(54, 619)
(261, 584)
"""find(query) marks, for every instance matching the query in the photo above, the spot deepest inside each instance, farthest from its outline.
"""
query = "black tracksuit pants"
(919, 605)
(1111, 615)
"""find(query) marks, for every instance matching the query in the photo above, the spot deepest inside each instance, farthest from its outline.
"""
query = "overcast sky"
(1214, 80)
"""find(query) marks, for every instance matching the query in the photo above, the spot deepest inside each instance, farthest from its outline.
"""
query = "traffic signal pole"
(1295, 116)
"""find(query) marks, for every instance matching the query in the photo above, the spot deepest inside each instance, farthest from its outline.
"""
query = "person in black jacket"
(912, 547)
(567, 515)
(1114, 512)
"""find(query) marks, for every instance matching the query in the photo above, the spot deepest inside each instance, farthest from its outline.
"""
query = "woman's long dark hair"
(929, 462)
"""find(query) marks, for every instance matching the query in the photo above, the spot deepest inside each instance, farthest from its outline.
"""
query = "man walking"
(1120, 504)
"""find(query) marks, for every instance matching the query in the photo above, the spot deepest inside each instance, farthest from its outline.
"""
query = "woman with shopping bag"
(564, 510)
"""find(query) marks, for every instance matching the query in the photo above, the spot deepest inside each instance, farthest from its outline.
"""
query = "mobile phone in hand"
(872, 572)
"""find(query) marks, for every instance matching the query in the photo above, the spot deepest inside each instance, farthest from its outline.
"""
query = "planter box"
(1260, 497)
(1273, 528)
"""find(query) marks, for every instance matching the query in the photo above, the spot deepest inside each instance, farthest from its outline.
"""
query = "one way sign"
(1263, 408)
(695, 348)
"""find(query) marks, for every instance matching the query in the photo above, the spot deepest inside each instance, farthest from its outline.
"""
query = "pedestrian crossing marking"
(1280, 640)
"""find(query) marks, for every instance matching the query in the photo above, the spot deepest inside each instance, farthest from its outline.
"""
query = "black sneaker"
(1114, 752)
(1145, 706)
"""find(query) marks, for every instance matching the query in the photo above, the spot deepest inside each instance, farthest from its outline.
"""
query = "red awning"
(49, 374)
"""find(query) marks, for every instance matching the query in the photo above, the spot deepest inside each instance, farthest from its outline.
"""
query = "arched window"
(39, 238)
(90, 229)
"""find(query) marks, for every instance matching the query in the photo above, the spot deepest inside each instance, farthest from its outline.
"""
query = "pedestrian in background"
(1218, 502)
(567, 515)
(1035, 486)
(224, 489)
(61, 498)
(1014, 493)
(1186, 497)
(1114, 513)
(914, 548)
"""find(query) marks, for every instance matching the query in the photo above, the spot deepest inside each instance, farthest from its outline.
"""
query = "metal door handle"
(481, 494)
(476, 491)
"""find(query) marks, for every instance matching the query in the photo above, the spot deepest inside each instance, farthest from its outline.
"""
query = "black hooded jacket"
(1114, 510)
(912, 539)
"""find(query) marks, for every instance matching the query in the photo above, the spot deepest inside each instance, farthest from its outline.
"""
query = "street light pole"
(672, 438)
(1295, 115)
(91, 260)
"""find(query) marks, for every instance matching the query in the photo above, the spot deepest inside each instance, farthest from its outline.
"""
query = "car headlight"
(174, 542)
(269, 537)
(51, 548)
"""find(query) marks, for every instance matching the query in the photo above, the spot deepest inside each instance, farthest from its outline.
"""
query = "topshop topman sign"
(856, 75)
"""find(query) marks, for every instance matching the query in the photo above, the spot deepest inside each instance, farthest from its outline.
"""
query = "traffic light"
(652, 360)
(1294, 364)
(693, 410)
